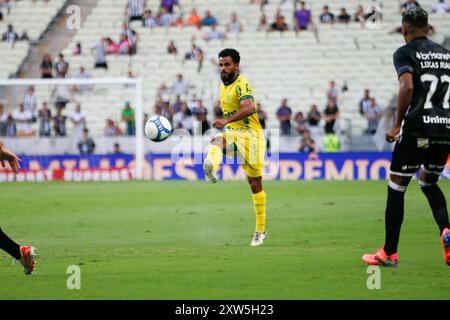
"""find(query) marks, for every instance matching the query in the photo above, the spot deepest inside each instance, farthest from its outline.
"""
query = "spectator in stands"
(116, 149)
(183, 118)
(284, 114)
(3, 120)
(172, 48)
(313, 118)
(46, 67)
(201, 115)
(409, 4)
(262, 115)
(59, 123)
(195, 54)
(332, 92)
(100, 54)
(167, 111)
(78, 119)
(179, 22)
(82, 74)
(214, 34)
(330, 115)
(360, 15)
(11, 128)
(10, 36)
(279, 24)
(307, 144)
(263, 25)
(194, 19)
(132, 37)
(176, 106)
(124, 45)
(30, 102)
(111, 46)
(45, 120)
(365, 101)
(23, 119)
(135, 9)
(166, 19)
(111, 129)
(149, 20)
(344, 17)
(61, 67)
(62, 95)
(327, 17)
(331, 142)
(234, 26)
(129, 119)
(372, 112)
(77, 50)
(441, 7)
(302, 17)
(181, 87)
(300, 123)
(163, 92)
(208, 19)
(169, 5)
(86, 145)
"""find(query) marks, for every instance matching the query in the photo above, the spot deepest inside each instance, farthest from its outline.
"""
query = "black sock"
(393, 219)
(9, 246)
(438, 205)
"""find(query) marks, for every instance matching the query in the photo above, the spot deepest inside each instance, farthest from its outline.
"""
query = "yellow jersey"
(230, 98)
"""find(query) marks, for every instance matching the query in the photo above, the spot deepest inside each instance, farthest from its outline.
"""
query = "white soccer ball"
(158, 128)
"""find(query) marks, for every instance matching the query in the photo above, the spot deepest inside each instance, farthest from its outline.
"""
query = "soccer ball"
(158, 128)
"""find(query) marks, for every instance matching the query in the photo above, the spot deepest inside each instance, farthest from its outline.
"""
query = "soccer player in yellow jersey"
(243, 135)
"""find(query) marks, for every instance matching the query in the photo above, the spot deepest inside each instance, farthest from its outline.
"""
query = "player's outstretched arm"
(245, 111)
(10, 157)
(404, 101)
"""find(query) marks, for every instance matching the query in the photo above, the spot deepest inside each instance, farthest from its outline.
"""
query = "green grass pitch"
(190, 240)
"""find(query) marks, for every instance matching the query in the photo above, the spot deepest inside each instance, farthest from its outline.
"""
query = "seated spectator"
(100, 55)
(331, 142)
(214, 34)
(86, 145)
(172, 48)
(82, 74)
(300, 123)
(195, 54)
(284, 114)
(129, 118)
(77, 50)
(166, 19)
(30, 102)
(365, 101)
(330, 115)
(344, 17)
(194, 19)
(149, 21)
(59, 123)
(327, 17)
(111, 129)
(234, 26)
(23, 120)
(183, 118)
(262, 115)
(209, 19)
(372, 112)
(263, 25)
(302, 17)
(46, 67)
(360, 15)
(279, 24)
(61, 67)
(307, 144)
(440, 7)
(3, 120)
(409, 4)
(111, 46)
(333, 92)
(135, 9)
(45, 119)
(78, 119)
(169, 5)
(10, 36)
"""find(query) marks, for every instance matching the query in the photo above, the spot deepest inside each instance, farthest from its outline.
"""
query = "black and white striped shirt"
(135, 8)
(100, 54)
(30, 103)
(10, 37)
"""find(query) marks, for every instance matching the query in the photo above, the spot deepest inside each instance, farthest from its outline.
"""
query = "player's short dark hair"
(416, 17)
(234, 54)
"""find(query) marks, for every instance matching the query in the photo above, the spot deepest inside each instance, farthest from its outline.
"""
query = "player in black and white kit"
(421, 132)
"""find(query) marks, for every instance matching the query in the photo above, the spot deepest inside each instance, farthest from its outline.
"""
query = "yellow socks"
(259, 202)
(215, 155)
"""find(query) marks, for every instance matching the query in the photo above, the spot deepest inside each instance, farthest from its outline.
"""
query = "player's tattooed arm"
(405, 94)
(244, 111)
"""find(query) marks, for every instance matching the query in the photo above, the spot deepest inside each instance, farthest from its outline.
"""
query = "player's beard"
(227, 78)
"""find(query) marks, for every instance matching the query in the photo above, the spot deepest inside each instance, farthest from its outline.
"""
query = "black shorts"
(410, 153)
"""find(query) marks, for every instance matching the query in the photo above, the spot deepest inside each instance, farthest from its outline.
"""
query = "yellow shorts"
(251, 145)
